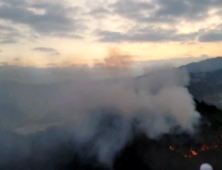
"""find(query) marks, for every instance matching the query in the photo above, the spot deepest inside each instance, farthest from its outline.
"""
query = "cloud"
(9, 35)
(126, 6)
(212, 35)
(61, 19)
(185, 10)
(6, 28)
(99, 12)
(57, 19)
(52, 51)
(68, 35)
(164, 11)
(133, 10)
(145, 35)
(16, 59)
(8, 41)
(157, 20)
(44, 49)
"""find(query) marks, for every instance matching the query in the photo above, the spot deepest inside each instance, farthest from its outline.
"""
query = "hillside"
(208, 65)
(207, 86)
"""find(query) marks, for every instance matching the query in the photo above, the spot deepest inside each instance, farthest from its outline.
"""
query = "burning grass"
(191, 152)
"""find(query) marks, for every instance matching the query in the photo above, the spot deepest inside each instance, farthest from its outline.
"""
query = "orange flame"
(203, 148)
(193, 152)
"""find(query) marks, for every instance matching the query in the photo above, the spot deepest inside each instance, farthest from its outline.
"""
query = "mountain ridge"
(208, 65)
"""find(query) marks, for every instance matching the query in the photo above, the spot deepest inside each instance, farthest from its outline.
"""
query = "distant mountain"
(208, 65)
(207, 86)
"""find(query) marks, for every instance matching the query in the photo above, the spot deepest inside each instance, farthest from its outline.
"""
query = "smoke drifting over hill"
(103, 112)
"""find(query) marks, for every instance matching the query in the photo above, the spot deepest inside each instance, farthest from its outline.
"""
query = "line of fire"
(194, 152)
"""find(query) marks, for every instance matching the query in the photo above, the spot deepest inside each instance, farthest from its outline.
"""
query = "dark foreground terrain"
(167, 152)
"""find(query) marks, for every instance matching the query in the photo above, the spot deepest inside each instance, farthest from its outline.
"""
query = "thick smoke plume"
(101, 112)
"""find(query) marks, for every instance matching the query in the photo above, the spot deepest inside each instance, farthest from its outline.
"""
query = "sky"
(45, 33)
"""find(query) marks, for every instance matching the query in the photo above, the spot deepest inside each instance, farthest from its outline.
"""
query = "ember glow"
(194, 152)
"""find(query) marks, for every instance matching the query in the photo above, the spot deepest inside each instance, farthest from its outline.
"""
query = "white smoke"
(101, 109)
